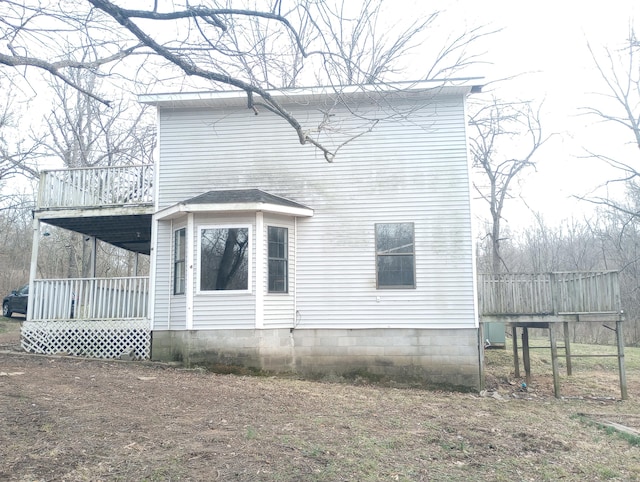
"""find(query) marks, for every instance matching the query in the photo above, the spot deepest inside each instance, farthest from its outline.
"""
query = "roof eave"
(461, 86)
(180, 209)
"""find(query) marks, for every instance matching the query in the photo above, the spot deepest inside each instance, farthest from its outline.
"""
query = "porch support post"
(525, 355)
(94, 252)
(33, 270)
(152, 271)
(516, 362)
(621, 369)
(567, 346)
(554, 361)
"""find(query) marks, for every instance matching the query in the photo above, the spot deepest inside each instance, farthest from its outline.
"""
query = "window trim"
(285, 259)
(198, 275)
(413, 254)
(182, 260)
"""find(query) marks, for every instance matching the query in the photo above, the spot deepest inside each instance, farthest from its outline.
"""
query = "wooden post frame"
(516, 362)
(621, 369)
(554, 362)
(526, 360)
(546, 300)
(567, 347)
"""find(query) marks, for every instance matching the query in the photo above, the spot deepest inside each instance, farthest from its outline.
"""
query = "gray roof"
(242, 196)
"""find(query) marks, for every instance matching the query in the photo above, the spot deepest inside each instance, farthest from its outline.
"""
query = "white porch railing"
(89, 299)
(96, 186)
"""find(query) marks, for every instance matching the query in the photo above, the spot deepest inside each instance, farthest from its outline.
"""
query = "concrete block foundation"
(449, 358)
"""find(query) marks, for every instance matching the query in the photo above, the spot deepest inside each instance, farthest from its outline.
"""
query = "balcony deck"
(540, 300)
(113, 204)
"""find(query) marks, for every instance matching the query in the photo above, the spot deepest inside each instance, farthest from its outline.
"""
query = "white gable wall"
(411, 170)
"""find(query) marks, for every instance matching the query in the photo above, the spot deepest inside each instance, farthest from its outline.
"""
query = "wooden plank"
(599, 317)
(537, 318)
(567, 347)
(621, 428)
(526, 360)
(554, 363)
(612, 355)
(621, 368)
(516, 362)
(553, 293)
(530, 324)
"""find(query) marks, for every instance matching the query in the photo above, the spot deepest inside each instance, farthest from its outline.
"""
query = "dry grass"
(79, 420)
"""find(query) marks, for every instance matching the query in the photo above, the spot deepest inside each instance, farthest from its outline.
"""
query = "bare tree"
(19, 152)
(607, 239)
(220, 44)
(504, 139)
(620, 73)
(15, 231)
(361, 46)
(83, 132)
(617, 112)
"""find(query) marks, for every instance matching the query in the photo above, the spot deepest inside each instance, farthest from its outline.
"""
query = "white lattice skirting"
(94, 339)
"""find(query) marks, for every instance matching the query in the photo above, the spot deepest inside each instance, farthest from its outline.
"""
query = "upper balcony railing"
(557, 293)
(96, 186)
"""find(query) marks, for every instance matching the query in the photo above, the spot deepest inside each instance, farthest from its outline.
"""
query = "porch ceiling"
(131, 232)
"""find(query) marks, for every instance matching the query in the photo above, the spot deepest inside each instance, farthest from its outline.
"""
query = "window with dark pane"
(224, 259)
(179, 261)
(395, 255)
(278, 259)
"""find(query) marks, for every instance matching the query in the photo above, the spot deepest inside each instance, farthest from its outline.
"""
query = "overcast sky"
(548, 39)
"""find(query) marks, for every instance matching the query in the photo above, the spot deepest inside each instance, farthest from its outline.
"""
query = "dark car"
(16, 302)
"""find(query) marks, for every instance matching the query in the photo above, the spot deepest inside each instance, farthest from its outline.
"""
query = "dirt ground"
(72, 419)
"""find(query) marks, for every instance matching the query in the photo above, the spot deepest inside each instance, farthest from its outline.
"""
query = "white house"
(265, 255)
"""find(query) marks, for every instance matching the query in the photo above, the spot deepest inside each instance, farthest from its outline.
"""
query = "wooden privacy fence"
(555, 293)
(97, 186)
(89, 299)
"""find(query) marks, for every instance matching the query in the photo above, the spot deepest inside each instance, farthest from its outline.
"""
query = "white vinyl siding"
(279, 308)
(178, 303)
(412, 171)
(163, 303)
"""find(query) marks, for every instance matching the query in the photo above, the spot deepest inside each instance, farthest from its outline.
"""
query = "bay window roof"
(236, 200)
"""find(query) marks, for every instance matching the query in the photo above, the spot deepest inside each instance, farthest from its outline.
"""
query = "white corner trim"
(189, 278)
(260, 262)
